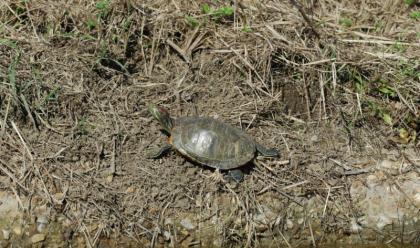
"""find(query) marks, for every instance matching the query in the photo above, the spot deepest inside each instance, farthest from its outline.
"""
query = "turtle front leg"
(267, 152)
(162, 151)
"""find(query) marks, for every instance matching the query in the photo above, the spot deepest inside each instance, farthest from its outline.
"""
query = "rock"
(300, 221)
(182, 203)
(358, 191)
(372, 180)
(42, 222)
(417, 199)
(37, 238)
(9, 206)
(167, 235)
(17, 230)
(59, 197)
(168, 221)
(6, 234)
(109, 178)
(392, 167)
(187, 224)
(191, 171)
(130, 190)
(355, 227)
(289, 224)
(387, 204)
(265, 216)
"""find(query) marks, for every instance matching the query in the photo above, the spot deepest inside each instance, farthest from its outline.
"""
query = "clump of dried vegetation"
(323, 81)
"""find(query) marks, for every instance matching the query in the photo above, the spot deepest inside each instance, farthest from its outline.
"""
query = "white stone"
(187, 224)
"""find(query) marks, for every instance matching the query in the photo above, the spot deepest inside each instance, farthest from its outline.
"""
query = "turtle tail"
(267, 152)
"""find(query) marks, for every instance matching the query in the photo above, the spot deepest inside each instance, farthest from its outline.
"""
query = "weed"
(223, 12)
(246, 29)
(408, 69)
(206, 9)
(410, 2)
(218, 13)
(379, 25)
(127, 24)
(387, 91)
(415, 15)
(361, 85)
(399, 47)
(321, 23)
(20, 10)
(103, 7)
(82, 127)
(91, 24)
(87, 37)
(345, 22)
(380, 112)
(52, 95)
(215, 14)
(12, 66)
(192, 21)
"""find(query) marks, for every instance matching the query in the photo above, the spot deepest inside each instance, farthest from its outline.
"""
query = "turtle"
(209, 142)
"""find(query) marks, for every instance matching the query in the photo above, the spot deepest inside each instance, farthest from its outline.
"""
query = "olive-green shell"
(211, 142)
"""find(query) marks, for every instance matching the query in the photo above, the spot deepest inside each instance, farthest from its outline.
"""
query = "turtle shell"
(211, 142)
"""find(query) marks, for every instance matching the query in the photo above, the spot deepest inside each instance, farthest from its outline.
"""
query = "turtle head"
(162, 115)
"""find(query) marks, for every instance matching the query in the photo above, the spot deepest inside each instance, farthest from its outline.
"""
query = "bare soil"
(334, 85)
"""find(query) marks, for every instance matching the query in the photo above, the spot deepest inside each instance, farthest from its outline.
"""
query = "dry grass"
(333, 84)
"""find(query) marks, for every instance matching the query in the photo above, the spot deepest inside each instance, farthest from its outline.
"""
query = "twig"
(285, 240)
(47, 125)
(295, 185)
(3, 125)
(247, 64)
(355, 172)
(11, 176)
(179, 50)
(312, 233)
(29, 112)
(321, 86)
(382, 42)
(87, 237)
(326, 202)
(22, 140)
(302, 12)
(113, 167)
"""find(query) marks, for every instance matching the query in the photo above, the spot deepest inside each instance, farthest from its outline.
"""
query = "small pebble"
(42, 222)
(355, 227)
(168, 221)
(187, 224)
(6, 234)
(37, 238)
(167, 235)
(17, 230)
(289, 224)
(417, 199)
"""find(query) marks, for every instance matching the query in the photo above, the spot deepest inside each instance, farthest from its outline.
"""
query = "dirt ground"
(333, 85)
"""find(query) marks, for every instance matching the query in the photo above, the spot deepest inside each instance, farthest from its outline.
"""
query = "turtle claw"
(216, 176)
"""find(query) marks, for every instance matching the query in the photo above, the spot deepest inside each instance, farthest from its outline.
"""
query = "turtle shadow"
(246, 168)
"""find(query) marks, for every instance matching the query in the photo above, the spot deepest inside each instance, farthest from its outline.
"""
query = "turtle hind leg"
(267, 152)
(236, 174)
(162, 151)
